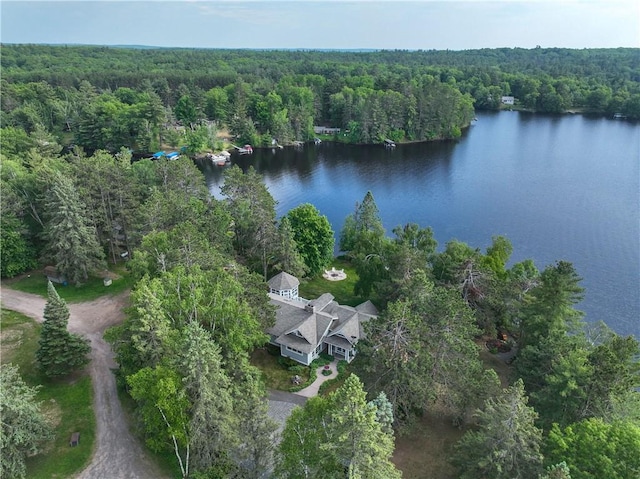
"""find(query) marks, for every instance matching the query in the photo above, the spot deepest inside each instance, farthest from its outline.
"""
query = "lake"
(558, 187)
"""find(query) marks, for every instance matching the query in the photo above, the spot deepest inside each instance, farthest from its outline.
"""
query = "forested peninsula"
(108, 98)
(460, 363)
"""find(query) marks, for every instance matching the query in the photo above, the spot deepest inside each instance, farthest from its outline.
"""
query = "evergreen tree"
(60, 352)
(212, 424)
(362, 231)
(422, 349)
(359, 442)
(254, 216)
(70, 238)
(507, 442)
(384, 412)
(363, 239)
(549, 308)
(288, 257)
(23, 428)
(255, 429)
(335, 437)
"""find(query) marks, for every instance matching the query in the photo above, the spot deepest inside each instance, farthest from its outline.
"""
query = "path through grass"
(67, 403)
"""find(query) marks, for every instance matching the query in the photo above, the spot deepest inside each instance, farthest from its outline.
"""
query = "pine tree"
(255, 429)
(23, 427)
(211, 426)
(336, 436)
(363, 231)
(60, 352)
(359, 442)
(287, 254)
(71, 239)
(507, 442)
(384, 412)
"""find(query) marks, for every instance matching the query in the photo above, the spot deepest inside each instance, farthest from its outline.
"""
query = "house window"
(285, 293)
(288, 348)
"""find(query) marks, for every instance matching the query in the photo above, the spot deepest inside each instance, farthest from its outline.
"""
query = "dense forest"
(569, 407)
(144, 99)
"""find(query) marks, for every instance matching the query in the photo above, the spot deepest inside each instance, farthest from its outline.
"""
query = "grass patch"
(342, 291)
(276, 376)
(36, 283)
(67, 402)
(71, 406)
(425, 449)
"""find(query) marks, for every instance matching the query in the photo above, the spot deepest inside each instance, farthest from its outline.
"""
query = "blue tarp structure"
(160, 154)
(173, 155)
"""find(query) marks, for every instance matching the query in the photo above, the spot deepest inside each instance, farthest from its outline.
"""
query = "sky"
(326, 24)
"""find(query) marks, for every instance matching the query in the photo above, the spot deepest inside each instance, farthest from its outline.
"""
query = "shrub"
(273, 350)
(321, 361)
(342, 375)
(287, 362)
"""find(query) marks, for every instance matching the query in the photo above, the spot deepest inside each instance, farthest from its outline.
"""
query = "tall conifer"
(71, 239)
(60, 352)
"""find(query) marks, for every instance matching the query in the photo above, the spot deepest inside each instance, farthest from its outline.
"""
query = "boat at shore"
(244, 150)
(220, 159)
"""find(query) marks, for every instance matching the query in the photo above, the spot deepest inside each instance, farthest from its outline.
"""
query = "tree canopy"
(24, 428)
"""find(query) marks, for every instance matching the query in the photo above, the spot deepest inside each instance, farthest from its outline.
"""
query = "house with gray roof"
(305, 328)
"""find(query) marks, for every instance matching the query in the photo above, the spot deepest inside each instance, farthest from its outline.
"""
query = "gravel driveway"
(118, 454)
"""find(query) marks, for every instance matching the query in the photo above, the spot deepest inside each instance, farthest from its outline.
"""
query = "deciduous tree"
(593, 449)
(313, 234)
(164, 410)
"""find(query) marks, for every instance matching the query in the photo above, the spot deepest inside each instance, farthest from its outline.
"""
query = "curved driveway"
(118, 454)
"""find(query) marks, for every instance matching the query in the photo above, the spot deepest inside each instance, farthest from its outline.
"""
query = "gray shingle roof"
(313, 324)
(367, 308)
(283, 281)
(349, 328)
(321, 303)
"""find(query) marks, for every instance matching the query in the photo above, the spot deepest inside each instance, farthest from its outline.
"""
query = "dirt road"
(118, 455)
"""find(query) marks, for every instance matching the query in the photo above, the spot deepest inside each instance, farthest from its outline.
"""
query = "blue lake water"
(559, 187)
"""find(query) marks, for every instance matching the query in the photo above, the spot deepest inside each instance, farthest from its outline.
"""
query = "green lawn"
(275, 375)
(342, 291)
(424, 450)
(67, 402)
(36, 283)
